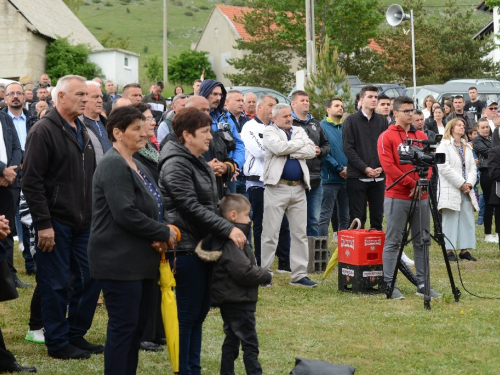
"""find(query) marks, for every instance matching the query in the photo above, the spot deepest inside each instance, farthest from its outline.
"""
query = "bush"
(204, 7)
(96, 1)
(108, 4)
(145, 49)
(64, 59)
(189, 14)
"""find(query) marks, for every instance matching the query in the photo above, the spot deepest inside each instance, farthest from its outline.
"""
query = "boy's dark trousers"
(239, 327)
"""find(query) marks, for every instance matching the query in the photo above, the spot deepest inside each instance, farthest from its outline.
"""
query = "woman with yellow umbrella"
(126, 229)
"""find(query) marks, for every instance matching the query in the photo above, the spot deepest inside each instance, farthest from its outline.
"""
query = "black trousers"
(154, 327)
(6, 357)
(359, 194)
(239, 327)
(128, 304)
(487, 186)
(9, 199)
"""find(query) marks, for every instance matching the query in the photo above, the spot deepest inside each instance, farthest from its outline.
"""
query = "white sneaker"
(490, 238)
(335, 237)
(37, 336)
(407, 260)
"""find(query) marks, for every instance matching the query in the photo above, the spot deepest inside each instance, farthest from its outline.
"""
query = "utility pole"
(310, 38)
(165, 64)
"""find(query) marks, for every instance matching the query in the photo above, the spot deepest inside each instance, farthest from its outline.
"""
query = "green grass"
(374, 335)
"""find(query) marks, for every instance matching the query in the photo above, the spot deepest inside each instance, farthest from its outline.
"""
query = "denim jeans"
(482, 207)
(129, 303)
(256, 196)
(314, 197)
(334, 195)
(193, 302)
(69, 256)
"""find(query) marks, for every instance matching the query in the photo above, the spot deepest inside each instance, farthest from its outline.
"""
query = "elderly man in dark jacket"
(57, 183)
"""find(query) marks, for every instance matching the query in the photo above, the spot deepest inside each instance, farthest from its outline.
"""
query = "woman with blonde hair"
(428, 102)
(456, 200)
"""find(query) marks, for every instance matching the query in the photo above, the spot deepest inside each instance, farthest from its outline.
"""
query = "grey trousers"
(459, 227)
(278, 200)
(396, 214)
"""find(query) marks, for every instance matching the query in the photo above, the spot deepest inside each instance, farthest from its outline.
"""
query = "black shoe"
(83, 344)
(452, 257)
(162, 341)
(16, 367)
(31, 272)
(467, 256)
(150, 346)
(70, 352)
(20, 284)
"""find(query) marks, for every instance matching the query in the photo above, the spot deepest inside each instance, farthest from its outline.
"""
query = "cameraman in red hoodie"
(398, 199)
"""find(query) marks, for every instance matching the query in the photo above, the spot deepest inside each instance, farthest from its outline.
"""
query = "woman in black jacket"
(482, 146)
(188, 184)
(494, 169)
(126, 229)
(148, 155)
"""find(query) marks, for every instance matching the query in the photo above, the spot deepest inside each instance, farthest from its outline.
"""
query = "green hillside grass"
(142, 21)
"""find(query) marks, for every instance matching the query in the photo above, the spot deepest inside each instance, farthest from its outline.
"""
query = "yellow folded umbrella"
(334, 260)
(169, 308)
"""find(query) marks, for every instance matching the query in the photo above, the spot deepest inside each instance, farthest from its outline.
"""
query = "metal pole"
(310, 38)
(165, 64)
(413, 56)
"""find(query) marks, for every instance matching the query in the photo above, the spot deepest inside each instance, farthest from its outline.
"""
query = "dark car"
(258, 91)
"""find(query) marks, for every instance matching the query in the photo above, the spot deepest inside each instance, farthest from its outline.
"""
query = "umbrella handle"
(173, 227)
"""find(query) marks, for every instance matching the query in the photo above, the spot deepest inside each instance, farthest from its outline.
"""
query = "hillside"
(142, 21)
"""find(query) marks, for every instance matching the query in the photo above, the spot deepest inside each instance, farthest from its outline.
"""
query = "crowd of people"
(108, 180)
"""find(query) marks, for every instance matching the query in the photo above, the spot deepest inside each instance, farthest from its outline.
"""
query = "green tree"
(154, 69)
(330, 81)
(64, 58)
(188, 67)
(110, 41)
(267, 63)
(443, 50)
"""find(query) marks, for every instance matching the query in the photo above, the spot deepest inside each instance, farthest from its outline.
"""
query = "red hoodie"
(387, 147)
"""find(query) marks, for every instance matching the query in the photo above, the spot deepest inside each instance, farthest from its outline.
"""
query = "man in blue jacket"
(334, 170)
(215, 93)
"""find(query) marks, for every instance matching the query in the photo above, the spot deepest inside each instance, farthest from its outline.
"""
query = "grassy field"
(142, 21)
(374, 335)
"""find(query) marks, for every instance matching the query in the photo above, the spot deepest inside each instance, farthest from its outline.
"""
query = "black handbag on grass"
(8, 289)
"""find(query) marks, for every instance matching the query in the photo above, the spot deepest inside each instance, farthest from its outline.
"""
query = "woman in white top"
(457, 200)
(428, 102)
(437, 125)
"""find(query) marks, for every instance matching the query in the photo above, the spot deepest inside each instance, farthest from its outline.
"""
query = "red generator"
(360, 260)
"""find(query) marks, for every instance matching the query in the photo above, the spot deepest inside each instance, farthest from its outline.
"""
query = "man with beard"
(22, 122)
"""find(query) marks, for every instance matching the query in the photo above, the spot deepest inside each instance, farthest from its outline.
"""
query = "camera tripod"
(425, 235)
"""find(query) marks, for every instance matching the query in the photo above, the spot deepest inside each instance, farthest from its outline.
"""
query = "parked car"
(474, 82)
(389, 89)
(258, 91)
(439, 92)
(353, 80)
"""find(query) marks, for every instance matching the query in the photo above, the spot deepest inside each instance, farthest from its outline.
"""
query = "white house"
(491, 28)
(27, 27)
(118, 65)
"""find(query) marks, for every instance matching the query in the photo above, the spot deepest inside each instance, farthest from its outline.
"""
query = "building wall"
(113, 66)
(22, 53)
(219, 39)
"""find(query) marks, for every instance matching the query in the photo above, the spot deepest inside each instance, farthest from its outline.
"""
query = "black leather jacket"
(482, 146)
(190, 191)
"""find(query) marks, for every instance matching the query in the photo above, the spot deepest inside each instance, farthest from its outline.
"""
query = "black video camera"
(424, 156)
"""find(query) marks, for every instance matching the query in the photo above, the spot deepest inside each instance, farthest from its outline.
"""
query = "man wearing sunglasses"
(492, 114)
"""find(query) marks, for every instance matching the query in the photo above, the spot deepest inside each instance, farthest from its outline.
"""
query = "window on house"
(125, 61)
